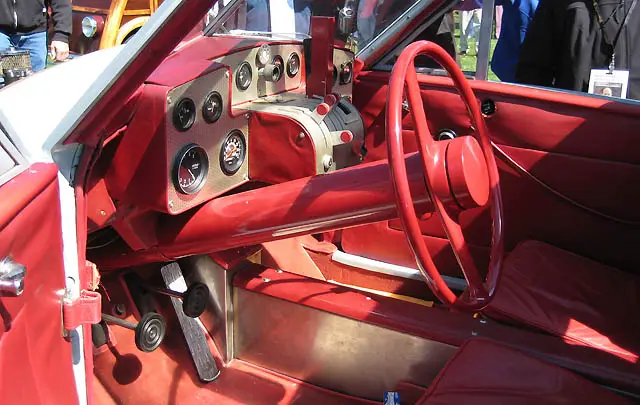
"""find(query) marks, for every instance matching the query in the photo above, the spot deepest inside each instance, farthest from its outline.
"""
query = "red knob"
(346, 136)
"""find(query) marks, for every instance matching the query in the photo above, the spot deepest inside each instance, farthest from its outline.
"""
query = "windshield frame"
(133, 64)
(228, 11)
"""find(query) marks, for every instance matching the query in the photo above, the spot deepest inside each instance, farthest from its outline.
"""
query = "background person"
(498, 20)
(23, 25)
(567, 39)
(516, 17)
(470, 19)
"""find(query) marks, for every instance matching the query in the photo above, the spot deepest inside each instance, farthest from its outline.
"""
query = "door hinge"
(83, 310)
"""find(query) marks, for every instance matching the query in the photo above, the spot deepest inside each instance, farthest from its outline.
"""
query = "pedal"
(191, 327)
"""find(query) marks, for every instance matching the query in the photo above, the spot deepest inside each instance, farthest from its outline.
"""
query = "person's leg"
(498, 21)
(465, 20)
(5, 41)
(36, 44)
(475, 22)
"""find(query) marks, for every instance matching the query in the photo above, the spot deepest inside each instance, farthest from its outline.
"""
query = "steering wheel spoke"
(460, 174)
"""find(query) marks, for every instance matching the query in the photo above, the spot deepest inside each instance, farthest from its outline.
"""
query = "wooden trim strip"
(138, 12)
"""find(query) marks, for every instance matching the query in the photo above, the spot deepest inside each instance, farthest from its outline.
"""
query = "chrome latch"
(12, 275)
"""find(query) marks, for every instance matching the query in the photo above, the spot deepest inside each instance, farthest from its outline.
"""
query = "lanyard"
(601, 22)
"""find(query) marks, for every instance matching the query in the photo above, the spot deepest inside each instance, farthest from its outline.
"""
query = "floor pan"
(167, 376)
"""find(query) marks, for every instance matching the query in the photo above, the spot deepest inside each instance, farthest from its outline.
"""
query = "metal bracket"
(84, 310)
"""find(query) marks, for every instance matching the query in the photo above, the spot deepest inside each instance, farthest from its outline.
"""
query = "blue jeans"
(35, 43)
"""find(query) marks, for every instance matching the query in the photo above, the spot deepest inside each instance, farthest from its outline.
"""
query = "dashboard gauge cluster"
(343, 72)
(233, 152)
(264, 70)
(207, 146)
(192, 167)
(212, 107)
(244, 76)
(293, 64)
(346, 73)
(184, 114)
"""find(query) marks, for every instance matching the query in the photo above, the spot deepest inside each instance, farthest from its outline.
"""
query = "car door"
(35, 358)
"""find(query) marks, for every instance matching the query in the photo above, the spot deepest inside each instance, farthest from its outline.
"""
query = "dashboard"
(228, 119)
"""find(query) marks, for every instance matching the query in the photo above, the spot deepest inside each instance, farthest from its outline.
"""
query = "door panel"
(35, 360)
(582, 147)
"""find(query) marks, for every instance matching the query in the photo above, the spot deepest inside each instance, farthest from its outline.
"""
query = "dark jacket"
(564, 42)
(29, 16)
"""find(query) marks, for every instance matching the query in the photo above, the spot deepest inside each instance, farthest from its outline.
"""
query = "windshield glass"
(274, 18)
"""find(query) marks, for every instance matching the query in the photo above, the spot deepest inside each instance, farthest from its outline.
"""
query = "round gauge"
(277, 60)
(192, 166)
(293, 64)
(184, 114)
(232, 152)
(264, 55)
(212, 107)
(346, 73)
(244, 76)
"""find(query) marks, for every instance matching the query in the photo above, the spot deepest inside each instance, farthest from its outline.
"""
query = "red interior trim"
(520, 169)
(24, 188)
(516, 92)
(436, 323)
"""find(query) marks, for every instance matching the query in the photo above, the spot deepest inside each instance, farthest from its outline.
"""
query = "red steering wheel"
(460, 173)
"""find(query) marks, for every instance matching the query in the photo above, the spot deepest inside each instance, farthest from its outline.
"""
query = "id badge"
(608, 83)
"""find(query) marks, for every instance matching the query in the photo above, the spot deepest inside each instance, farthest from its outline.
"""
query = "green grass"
(468, 61)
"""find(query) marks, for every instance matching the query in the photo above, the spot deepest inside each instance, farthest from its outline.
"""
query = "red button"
(330, 99)
(346, 136)
(323, 108)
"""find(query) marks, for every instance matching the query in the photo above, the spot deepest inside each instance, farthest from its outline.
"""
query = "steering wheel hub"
(467, 173)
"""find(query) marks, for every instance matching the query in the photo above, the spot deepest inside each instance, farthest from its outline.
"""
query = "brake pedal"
(191, 327)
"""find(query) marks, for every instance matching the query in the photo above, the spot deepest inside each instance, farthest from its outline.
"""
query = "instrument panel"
(208, 139)
(343, 72)
(206, 145)
(264, 70)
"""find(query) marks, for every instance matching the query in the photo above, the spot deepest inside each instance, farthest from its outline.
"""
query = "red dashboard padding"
(580, 300)
(483, 372)
(277, 151)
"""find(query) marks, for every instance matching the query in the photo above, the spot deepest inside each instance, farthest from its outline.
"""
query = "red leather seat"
(578, 299)
(483, 372)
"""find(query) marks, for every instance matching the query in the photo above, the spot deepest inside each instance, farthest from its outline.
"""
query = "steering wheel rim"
(440, 178)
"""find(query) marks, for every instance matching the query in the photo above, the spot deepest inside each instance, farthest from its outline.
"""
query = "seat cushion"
(578, 299)
(483, 372)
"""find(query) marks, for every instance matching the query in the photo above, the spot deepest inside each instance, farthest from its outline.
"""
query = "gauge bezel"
(177, 123)
(291, 56)
(349, 78)
(278, 61)
(260, 62)
(218, 112)
(202, 176)
(238, 166)
(238, 85)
